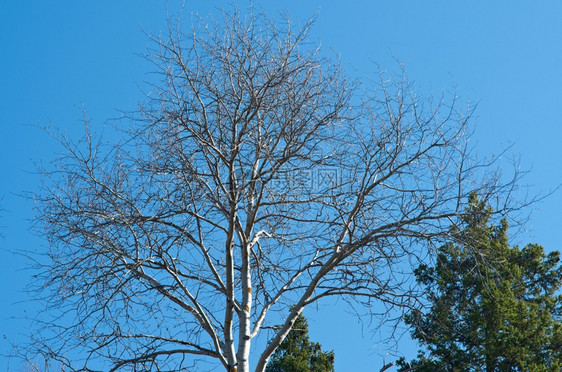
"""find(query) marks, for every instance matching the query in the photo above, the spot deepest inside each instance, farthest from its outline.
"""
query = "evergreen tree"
(297, 354)
(493, 307)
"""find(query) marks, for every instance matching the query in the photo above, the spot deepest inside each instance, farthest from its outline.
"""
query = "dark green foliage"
(493, 307)
(297, 354)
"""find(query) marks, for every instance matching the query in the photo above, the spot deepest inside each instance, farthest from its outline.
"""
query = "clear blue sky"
(58, 55)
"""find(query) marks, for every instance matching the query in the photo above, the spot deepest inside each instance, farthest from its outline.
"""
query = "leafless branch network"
(257, 178)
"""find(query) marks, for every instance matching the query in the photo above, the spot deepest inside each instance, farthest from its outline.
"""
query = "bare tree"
(256, 181)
